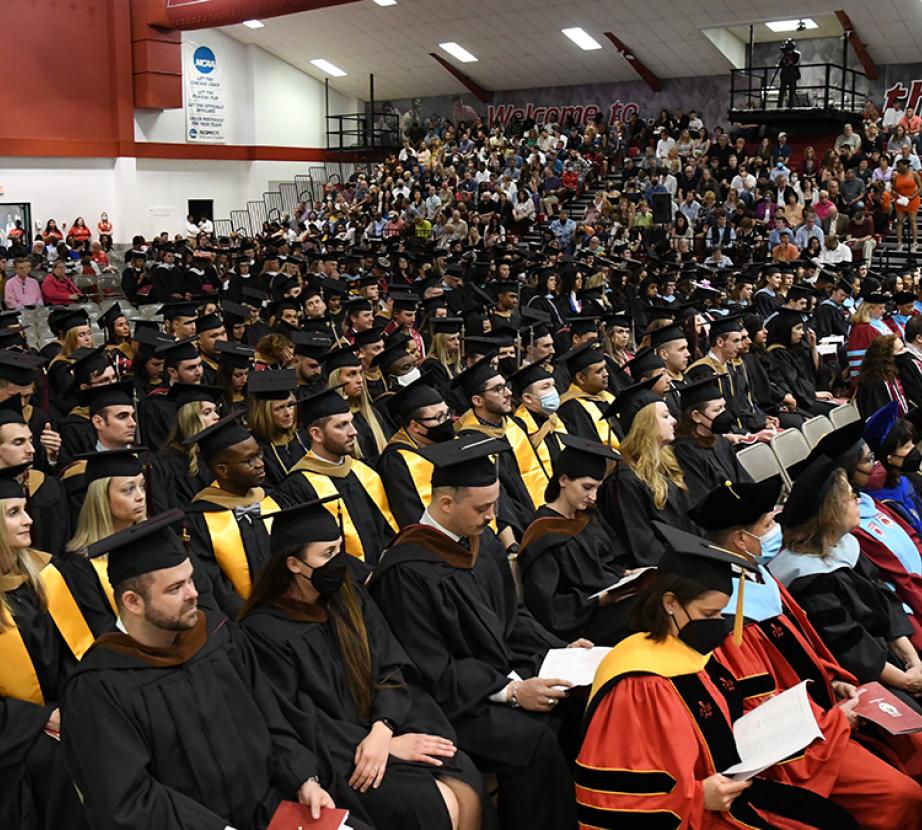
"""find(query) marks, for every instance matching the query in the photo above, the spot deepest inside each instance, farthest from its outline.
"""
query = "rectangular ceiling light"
(254, 24)
(582, 38)
(458, 52)
(386, 2)
(792, 25)
(325, 66)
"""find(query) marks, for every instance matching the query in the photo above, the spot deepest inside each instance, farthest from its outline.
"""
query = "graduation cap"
(705, 563)
(340, 358)
(357, 304)
(172, 311)
(272, 384)
(480, 345)
(700, 391)
(18, 368)
(904, 298)
(109, 316)
(581, 357)
(725, 325)
(310, 344)
(408, 399)
(465, 461)
(234, 313)
(208, 322)
(405, 302)
(472, 380)
(108, 463)
(644, 363)
(182, 393)
(219, 436)
(234, 355)
(322, 405)
(394, 351)
(582, 325)
(808, 493)
(369, 336)
(837, 443)
(667, 334)
(630, 400)
(97, 398)
(878, 425)
(89, 361)
(10, 487)
(179, 350)
(142, 548)
(136, 254)
(11, 411)
(801, 292)
(618, 319)
(447, 325)
(253, 297)
(151, 339)
(522, 378)
(296, 526)
(736, 504)
(580, 458)
(70, 319)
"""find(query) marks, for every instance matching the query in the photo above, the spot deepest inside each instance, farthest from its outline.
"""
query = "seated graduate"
(533, 385)
(35, 788)
(272, 418)
(756, 363)
(794, 367)
(347, 687)
(671, 706)
(329, 468)
(74, 325)
(447, 593)
(93, 367)
(225, 538)
(860, 619)
(570, 557)
(178, 471)
(778, 648)
(444, 358)
(884, 536)
(192, 735)
(649, 483)
(368, 345)
(234, 363)
(182, 363)
(309, 348)
(209, 328)
(17, 380)
(583, 405)
(424, 419)
(878, 378)
(345, 375)
(44, 492)
(891, 439)
(705, 455)
(116, 498)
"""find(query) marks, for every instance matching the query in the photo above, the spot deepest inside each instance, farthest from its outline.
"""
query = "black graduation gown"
(298, 650)
(789, 370)
(365, 439)
(764, 304)
(910, 372)
(209, 372)
(199, 743)
(627, 505)
(375, 384)
(741, 402)
(561, 569)
(61, 390)
(458, 619)
(578, 421)
(402, 493)
(280, 458)
(170, 282)
(830, 320)
(156, 414)
(37, 420)
(255, 539)
(372, 527)
(172, 485)
(856, 615)
(78, 435)
(49, 508)
(36, 791)
(871, 395)
(705, 468)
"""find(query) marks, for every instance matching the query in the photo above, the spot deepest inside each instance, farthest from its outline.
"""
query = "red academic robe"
(659, 724)
(877, 795)
(908, 586)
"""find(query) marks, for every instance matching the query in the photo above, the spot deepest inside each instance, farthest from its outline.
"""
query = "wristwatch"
(513, 549)
(513, 695)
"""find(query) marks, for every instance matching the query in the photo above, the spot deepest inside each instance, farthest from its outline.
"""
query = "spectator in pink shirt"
(22, 290)
(58, 288)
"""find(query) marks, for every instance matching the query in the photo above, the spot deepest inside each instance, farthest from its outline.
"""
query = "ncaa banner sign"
(205, 102)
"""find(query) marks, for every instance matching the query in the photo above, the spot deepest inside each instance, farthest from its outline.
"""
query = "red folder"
(291, 815)
(884, 708)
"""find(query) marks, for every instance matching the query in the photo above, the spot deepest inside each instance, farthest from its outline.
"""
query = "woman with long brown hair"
(272, 418)
(878, 378)
(347, 687)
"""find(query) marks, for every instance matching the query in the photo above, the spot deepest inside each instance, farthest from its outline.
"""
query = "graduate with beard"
(347, 687)
(570, 557)
(225, 538)
(169, 722)
(447, 592)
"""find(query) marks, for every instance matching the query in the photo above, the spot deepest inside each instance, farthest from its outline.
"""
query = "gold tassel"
(738, 620)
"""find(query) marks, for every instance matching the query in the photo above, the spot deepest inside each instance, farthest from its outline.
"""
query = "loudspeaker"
(662, 208)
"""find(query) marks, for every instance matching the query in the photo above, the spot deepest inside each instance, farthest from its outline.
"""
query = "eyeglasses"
(438, 419)
(499, 389)
(253, 461)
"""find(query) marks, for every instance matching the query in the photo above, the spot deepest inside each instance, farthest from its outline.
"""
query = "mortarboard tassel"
(738, 619)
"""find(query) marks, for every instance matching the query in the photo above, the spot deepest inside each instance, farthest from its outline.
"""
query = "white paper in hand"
(773, 731)
(578, 665)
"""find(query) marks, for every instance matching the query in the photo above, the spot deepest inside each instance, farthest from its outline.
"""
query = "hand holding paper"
(578, 665)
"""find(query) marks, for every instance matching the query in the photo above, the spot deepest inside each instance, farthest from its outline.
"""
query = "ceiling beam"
(483, 95)
(639, 67)
(870, 68)
(187, 15)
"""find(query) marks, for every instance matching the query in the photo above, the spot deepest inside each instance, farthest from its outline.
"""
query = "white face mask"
(409, 377)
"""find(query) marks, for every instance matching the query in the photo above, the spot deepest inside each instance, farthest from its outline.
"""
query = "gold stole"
(537, 434)
(18, 679)
(591, 404)
(226, 539)
(319, 475)
(100, 565)
(65, 612)
(419, 468)
(534, 474)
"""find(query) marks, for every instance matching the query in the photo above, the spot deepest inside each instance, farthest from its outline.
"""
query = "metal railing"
(363, 131)
(826, 86)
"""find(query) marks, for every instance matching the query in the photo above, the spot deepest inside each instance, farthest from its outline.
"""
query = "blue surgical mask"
(550, 402)
(769, 542)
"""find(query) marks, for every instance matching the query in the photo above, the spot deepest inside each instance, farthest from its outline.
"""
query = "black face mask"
(328, 578)
(506, 366)
(912, 461)
(723, 423)
(442, 432)
(705, 635)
